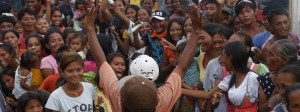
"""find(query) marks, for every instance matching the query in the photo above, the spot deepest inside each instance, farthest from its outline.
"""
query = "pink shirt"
(49, 62)
(90, 66)
(168, 94)
(22, 44)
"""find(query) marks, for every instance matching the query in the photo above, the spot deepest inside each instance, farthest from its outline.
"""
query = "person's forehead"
(6, 23)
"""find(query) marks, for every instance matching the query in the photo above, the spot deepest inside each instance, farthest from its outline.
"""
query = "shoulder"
(252, 75)
(49, 57)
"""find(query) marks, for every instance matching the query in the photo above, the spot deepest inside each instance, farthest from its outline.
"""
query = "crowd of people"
(148, 56)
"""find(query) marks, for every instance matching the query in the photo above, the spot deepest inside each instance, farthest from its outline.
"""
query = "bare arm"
(121, 15)
(24, 77)
(47, 72)
(202, 94)
(123, 45)
(137, 43)
(218, 15)
(48, 10)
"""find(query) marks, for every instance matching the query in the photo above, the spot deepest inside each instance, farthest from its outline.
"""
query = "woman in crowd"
(13, 38)
(8, 56)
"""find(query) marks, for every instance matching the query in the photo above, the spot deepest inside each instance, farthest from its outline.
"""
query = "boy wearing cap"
(159, 22)
(139, 94)
(246, 11)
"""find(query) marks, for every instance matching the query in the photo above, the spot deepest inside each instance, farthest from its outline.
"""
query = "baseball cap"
(227, 10)
(144, 66)
(159, 14)
(139, 94)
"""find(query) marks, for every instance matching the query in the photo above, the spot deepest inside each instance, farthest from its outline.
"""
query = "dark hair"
(80, 35)
(6, 46)
(292, 69)
(289, 90)
(232, 22)
(26, 60)
(212, 2)
(66, 32)
(37, 36)
(111, 57)
(8, 19)
(26, 97)
(247, 41)
(135, 8)
(225, 32)
(180, 47)
(239, 58)
(271, 6)
(241, 4)
(149, 11)
(276, 12)
(122, 1)
(60, 51)
(211, 28)
(44, 95)
(24, 10)
(47, 36)
(5, 8)
(77, 2)
(12, 31)
(54, 10)
(142, 2)
(8, 72)
(175, 20)
(106, 43)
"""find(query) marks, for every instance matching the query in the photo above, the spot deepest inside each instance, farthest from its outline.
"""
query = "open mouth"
(119, 73)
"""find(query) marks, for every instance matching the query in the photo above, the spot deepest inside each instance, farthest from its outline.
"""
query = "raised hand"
(168, 44)
(91, 16)
(196, 18)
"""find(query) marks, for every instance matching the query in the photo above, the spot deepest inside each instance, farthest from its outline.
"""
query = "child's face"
(294, 101)
(19, 28)
(34, 106)
(34, 45)
(118, 65)
(8, 82)
(145, 28)
(12, 39)
(5, 58)
(73, 72)
(56, 18)
(188, 26)
(131, 14)
(81, 6)
(76, 44)
(55, 42)
(42, 26)
(143, 15)
(176, 31)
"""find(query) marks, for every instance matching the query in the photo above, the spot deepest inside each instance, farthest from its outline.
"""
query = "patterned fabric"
(267, 84)
(156, 48)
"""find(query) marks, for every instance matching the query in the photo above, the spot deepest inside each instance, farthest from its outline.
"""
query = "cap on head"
(227, 10)
(159, 14)
(145, 66)
(139, 94)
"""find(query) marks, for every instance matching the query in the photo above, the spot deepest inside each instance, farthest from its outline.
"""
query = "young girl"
(117, 63)
(19, 27)
(68, 33)
(74, 94)
(53, 40)
(8, 57)
(35, 43)
(13, 38)
(187, 26)
(79, 14)
(78, 43)
(24, 75)
(56, 19)
(30, 102)
(7, 78)
(174, 34)
(41, 26)
(144, 14)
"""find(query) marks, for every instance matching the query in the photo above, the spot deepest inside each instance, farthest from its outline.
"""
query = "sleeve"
(256, 41)
(145, 39)
(169, 93)
(45, 63)
(53, 103)
(207, 83)
(224, 84)
(109, 84)
(254, 87)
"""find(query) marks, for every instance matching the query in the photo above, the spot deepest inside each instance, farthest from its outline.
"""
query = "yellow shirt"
(201, 68)
(37, 78)
(101, 103)
(135, 2)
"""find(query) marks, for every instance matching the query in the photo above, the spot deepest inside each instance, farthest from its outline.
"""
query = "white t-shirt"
(60, 101)
(249, 88)
(18, 89)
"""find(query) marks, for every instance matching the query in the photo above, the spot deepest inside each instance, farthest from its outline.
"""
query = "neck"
(211, 54)
(239, 75)
(277, 37)
(70, 86)
(252, 26)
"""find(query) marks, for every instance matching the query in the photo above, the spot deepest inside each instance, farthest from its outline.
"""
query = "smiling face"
(206, 42)
(33, 4)
(143, 15)
(76, 44)
(5, 58)
(42, 26)
(159, 26)
(73, 72)
(118, 65)
(169, 5)
(177, 5)
(147, 4)
(28, 22)
(34, 45)
(56, 18)
(33, 106)
(247, 16)
(176, 31)
(226, 61)
(145, 28)
(280, 25)
(12, 39)
(131, 14)
(55, 42)
(188, 26)
(219, 42)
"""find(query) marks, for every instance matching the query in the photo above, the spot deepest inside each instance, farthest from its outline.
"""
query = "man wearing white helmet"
(138, 93)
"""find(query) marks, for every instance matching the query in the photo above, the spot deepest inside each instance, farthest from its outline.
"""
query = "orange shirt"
(49, 83)
(168, 94)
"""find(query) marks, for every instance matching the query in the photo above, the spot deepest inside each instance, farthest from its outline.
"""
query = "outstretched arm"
(89, 26)
(186, 59)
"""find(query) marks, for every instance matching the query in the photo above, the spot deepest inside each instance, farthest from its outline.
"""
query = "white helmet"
(145, 66)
